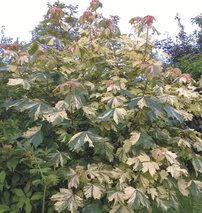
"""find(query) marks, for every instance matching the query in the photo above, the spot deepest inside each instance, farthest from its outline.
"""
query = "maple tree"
(92, 123)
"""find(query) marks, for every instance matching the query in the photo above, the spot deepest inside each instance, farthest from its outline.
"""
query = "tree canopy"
(92, 122)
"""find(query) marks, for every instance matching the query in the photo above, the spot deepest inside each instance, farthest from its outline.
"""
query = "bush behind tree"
(185, 50)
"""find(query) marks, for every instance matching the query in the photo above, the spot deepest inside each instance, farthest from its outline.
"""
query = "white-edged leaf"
(73, 178)
(197, 163)
(94, 191)
(150, 167)
(182, 186)
(117, 114)
(116, 196)
(19, 81)
(176, 171)
(55, 117)
(173, 113)
(34, 135)
(135, 198)
(142, 103)
(170, 156)
(153, 192)
(67, 200)
(77, 142)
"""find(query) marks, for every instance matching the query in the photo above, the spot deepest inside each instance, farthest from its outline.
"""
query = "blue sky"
(20, 16)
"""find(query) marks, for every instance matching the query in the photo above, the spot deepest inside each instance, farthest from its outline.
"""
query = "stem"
(45, 187)
(146, 45)
(44, 199)
(144, 59)
(145, 87)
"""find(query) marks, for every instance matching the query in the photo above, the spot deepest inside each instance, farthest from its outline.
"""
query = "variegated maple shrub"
(93, 123)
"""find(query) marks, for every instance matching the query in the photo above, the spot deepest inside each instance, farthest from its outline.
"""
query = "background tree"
(185, 50)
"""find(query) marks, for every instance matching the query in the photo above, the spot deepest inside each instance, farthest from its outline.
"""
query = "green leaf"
(133, 102)
(173, 113)
(121, 209)
(77, 142)
(197, 163)
(4, 208)
(37, 196)
(2, 177)
(154, 105)
(33, 48)
(36, 107)
(92, 208)
(19, 192)
(58, 158)
(145, 141)
(67, 200)
(27, 188)
(94, 191)
(105, 149)
(34, 136)
(28, 206)
(13, 162)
